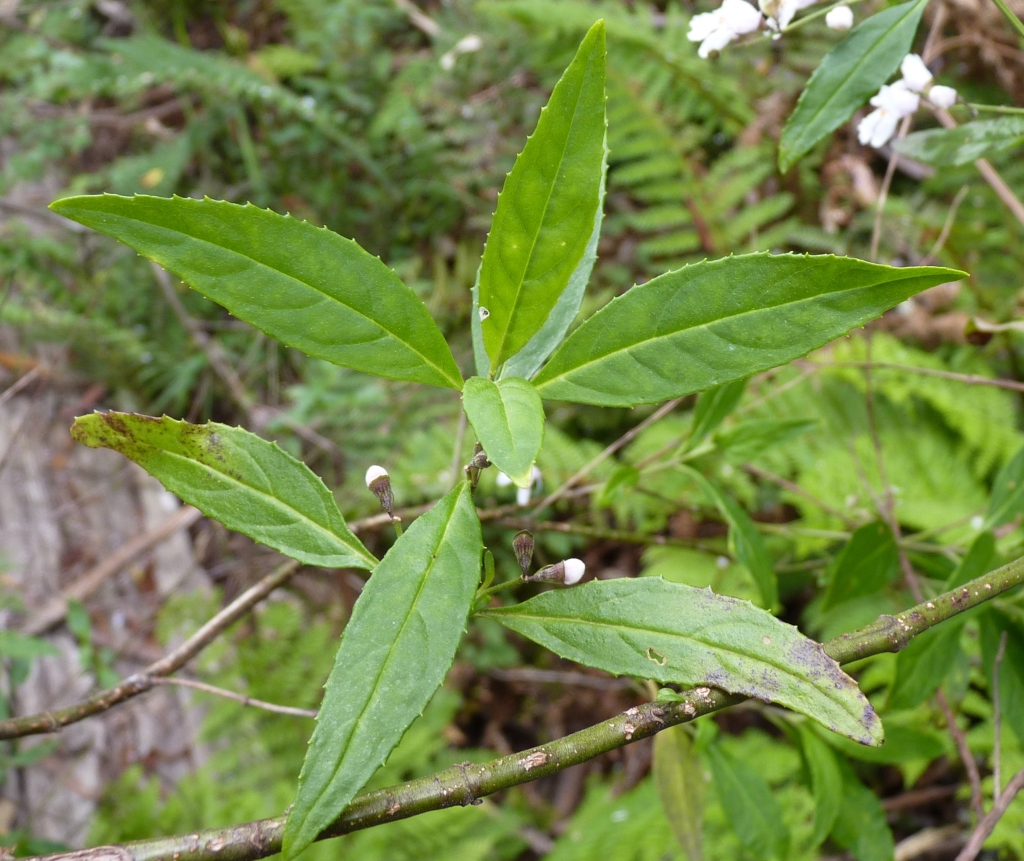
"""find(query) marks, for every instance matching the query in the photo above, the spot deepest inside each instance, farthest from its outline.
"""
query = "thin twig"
(997, 721)
(238, 698)
(601, 532)
(55, 611)
(966, 757)
(623, 440)
(967, 379)
(20, 383)
(466, 783)
(883, 194)
(985, 827)
(786, 484)
(46, 722)
(560, 677)
(947, 226)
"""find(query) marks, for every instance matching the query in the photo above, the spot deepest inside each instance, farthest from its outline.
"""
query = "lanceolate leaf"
(861, 826)
(826, 783)
(1007, 493)
(650, 628)
(395, 651)
(848, 76)
(866, 563)
(713, 407)
(309, 288)
(528, 360)
(248, 484)
(962, 145)
(508, 418)
(977, 561)
(924, 664)
(679, 776)
(545, 215)
(713, 322)
(747, 800)
(745, 541)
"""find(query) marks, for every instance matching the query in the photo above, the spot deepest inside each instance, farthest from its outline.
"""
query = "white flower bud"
(840, 18)
(915, 73)
(373, 473)
(574, 571)
(942, 97)
(503, 480)
(522, 496)
(379, 482)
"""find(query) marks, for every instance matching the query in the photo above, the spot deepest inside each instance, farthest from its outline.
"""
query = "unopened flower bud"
(942, 97)
(522, 544)
(480, 461)
(568, 572)
(503, 480)
(839, 18)
(379, 482)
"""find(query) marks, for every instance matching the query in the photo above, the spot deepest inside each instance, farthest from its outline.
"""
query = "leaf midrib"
(574, 620)
(863, 59)
(391, 651)
(297, 280)
(279, 503)
(751, 312)
(540, 228)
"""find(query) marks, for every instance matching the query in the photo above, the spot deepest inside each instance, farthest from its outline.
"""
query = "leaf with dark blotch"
(545, 216)
(848, 76)
(306, 286)
(713, 322)
(508, 419)
(649, 628)
(964, 144)
(395, 651)
(247, 483)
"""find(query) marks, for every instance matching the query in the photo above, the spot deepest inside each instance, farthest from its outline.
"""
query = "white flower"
(503, 480)
(942, 97)
(894, 103)
(522, 496)
(373, 473)
(840, 18)
(574, 571)
(781, 12)
(465, 45)
(715, 30)
(915, 73)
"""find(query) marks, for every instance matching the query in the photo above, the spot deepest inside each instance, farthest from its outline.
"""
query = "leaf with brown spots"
(650, 628)
(248, 484)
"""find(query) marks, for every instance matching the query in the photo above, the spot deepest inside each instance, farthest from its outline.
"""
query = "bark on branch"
(466, 783)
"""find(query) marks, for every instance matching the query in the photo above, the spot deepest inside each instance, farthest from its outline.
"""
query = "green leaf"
(508, 419)
(826, 783)
(860, 826)
(964, 144)
(309, 288)
(713, 406)
(649, 628)
(1007, 493)
(744, 540)
(679, 777)
(991, 626)
(546, 212)
(15, 645)
(924, 664)
(713, 322)
(395, 651)
(868, 561)
(848, 76)
(749, 805)
(248, 484)
(977, 561)
(746, 440)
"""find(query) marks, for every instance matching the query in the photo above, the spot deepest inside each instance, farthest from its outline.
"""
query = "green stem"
(994, 109)
(1015, 22)
(818, 13)
(466, 783)
(508, 584)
